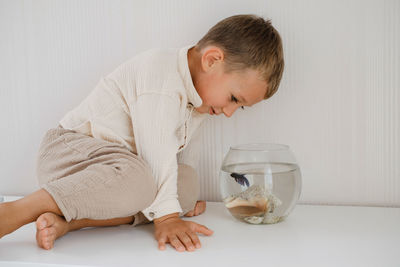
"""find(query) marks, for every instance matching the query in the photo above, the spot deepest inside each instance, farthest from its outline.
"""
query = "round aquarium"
(260, 183)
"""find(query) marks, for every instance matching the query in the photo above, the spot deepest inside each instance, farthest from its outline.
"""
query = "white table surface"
(311, 236)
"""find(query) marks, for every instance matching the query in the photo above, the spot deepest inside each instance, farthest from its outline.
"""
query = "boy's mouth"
(212, 112)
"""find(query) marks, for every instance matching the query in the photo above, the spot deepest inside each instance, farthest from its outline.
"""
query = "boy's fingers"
(186, 241)
(176, 243)
(202, 229)
(161, 243)
(195, 239)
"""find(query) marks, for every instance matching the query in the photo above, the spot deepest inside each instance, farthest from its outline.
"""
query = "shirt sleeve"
(155, 118)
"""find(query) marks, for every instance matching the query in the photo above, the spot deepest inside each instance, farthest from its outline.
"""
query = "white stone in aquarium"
(254, 219)
(259, 197)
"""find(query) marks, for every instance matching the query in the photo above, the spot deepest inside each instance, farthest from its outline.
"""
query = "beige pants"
(96, 179)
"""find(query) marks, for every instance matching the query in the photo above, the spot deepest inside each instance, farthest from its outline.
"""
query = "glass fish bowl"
(260, 183)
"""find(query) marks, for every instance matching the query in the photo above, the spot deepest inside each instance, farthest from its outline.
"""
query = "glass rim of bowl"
(260, 147)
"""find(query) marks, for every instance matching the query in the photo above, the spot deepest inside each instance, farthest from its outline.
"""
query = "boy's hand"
(179, 233)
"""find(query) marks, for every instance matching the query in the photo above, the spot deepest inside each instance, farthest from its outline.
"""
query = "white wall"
(337, 107)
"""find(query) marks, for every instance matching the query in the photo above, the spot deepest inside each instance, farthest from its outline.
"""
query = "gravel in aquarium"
(254, 205)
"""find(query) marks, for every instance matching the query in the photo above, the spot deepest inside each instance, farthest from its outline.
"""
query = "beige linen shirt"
(147, 104)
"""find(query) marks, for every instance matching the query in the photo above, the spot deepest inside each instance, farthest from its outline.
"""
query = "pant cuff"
(58, 201)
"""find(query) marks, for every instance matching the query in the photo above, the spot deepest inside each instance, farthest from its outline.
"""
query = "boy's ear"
(211, 57)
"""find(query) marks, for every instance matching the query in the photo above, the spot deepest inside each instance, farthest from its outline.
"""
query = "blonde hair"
(249, 41)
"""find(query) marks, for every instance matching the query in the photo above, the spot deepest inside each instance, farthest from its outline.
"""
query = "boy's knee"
(48, 155)
(139, 182)
(188, 187)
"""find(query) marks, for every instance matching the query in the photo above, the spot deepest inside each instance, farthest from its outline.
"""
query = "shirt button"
(151, 214)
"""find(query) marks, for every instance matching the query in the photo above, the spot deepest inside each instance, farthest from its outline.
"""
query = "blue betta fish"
(240, 179)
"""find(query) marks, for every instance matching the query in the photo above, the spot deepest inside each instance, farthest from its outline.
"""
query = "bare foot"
(198, 209)
(49, 227)
(17, 213)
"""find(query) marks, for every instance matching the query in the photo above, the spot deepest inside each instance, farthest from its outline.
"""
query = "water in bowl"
(260, 193)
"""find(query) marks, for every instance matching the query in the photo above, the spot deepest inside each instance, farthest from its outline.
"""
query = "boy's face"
(223, 92)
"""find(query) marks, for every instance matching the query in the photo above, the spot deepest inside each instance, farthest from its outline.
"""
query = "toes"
(44, 220)
(46, 240)
(50, 226)
(190, 213)
(46, 236)
(47, 232)
(200, 207)
(47, 245)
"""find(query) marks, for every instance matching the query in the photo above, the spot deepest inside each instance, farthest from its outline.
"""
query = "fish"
(240, 179)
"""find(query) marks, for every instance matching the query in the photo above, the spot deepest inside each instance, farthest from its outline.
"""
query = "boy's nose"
(229, 110)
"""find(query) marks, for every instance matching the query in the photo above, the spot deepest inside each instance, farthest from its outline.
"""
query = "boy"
(123, 155)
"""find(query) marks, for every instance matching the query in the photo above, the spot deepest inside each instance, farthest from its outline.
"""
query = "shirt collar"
(183, 65)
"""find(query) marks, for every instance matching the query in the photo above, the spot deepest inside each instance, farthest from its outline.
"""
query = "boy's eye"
(234, 99)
